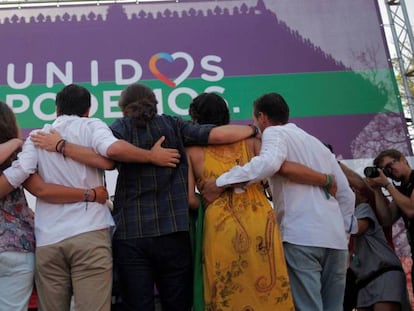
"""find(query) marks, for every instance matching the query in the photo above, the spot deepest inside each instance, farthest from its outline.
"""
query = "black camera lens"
(371, 172)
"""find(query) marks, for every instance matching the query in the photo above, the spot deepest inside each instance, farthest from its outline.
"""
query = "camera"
(371, 171)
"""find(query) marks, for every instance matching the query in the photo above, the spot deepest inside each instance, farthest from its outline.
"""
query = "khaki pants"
(80, 265)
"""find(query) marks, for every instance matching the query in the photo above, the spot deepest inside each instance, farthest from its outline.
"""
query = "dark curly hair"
(138, 102)
(209, 108)
(8, 130)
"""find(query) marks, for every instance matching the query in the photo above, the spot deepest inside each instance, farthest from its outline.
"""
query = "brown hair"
(8, 130)
(138, 102)
(392, 153)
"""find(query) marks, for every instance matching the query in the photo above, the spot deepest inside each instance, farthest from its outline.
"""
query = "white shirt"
(306, 217)
(56, 222)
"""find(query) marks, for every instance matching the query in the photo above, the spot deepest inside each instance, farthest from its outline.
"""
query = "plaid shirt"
(151, 200)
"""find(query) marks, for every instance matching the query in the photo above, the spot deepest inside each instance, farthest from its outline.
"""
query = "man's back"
(56, 222)
(307, 217)
(313, 224)
(157, 194)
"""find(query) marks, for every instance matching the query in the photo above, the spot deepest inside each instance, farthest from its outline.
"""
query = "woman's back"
(242, 252)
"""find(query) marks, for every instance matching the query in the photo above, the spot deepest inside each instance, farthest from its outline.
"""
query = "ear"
(263, 118)
(86, 114)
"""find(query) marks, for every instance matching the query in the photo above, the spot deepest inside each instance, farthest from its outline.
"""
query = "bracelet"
(87, 195)
(62, 148)
(255, 130)
(328, 184)
(329, 181)
(58, 147)
(94, 195)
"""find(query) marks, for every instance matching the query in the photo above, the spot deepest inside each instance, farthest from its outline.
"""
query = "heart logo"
(170, 58)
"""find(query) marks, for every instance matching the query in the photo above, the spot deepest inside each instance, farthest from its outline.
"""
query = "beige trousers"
(80, 266)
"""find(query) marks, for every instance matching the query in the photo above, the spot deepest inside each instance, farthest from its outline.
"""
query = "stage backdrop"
(328, 58)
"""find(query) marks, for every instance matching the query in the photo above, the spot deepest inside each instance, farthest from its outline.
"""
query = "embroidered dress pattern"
(243, 261)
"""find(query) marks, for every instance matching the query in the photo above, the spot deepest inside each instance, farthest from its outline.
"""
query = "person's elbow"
(114, 151)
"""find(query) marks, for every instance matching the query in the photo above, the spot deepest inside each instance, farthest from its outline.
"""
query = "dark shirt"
(407, 190)
(151, 200)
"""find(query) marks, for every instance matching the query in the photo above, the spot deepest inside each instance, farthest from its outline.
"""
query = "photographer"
(392, 164)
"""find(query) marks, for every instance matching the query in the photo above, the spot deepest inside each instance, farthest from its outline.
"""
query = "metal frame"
(402, 34)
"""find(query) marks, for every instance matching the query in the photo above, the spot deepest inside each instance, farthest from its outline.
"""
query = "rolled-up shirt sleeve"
(24, 166)
(272, 154)
(102, 137)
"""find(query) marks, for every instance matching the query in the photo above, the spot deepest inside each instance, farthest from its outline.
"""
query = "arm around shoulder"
(226, 134)
(53, 142)
(123, 151)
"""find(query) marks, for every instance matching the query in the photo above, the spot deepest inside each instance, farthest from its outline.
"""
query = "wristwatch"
(255, 130)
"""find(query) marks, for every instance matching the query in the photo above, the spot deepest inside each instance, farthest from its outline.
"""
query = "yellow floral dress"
(243, 262)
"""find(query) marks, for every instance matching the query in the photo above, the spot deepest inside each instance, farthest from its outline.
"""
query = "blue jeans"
(317, 277)
(165, 261)
(16, 280)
